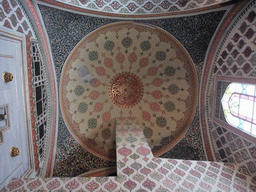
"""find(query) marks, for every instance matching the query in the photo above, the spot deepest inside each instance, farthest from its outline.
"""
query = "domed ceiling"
(153, 69)
(133, 70)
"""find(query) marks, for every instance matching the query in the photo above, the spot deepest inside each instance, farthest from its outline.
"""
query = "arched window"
(239, 106)
(233, 105)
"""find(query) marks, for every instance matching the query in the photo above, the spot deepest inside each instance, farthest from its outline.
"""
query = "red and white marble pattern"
(138, 169)
(231, 56)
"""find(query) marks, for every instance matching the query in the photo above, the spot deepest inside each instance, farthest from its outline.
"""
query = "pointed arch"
(233, 105)
(239, 106)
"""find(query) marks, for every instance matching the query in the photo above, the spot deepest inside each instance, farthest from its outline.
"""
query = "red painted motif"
(15, 184)
(53, 184)
(100, 71)
(84, 1)
(146, 116)
(106, 116)
(108, 62)
(163, 170)
(99, 3)
(116, 5)
(188, 185)
(143, 151)
(20, 29)
(94, 95)
(152, 71)
(33, 185)
(149, 184)
(120, 58)
(154, 106)
(98, 107)
(128, 171)
(96, 83)
(132, 57)
(144, 62)
(92, 186)
(7, 24)
(126, 90)
(6, 6)
(124, 151)
(157, 94)
(157, 82)
(130, 184)
(72, 185)
(168, 183)
(145, 171)
(19, 13)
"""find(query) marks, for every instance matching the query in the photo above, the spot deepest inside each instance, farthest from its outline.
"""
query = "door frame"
(17, 36)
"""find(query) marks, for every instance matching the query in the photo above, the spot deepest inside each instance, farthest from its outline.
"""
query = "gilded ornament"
(14, 152)
(125, 90)
(7, 77)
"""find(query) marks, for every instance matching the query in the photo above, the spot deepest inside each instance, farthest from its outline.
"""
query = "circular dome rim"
(195, 96)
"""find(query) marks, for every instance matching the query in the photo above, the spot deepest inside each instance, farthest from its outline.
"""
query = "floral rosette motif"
(128, 70)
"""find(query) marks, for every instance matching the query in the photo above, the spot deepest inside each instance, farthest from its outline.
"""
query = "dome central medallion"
(125, 90)
(128, 70)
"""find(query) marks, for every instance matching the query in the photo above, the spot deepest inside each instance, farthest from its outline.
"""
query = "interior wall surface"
(233, 57)
(66, 29)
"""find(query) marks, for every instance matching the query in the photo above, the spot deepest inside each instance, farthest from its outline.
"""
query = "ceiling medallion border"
(96, 111)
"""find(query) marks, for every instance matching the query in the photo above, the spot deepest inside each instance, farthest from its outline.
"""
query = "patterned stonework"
(140, 7)
(139, 170)
(13, 17)
(150, 75)
(235, 57)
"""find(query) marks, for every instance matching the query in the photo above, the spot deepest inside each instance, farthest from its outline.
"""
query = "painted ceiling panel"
(140, 7)
(66, 29)
(127, 69)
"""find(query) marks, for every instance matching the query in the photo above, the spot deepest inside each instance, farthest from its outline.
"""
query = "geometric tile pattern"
(229, 147)
(138, 170)
(140, 7)
(236, 57)
(137, 164)
(14, 17)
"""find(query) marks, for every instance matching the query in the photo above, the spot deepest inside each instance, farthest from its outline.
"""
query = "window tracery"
(239, 106)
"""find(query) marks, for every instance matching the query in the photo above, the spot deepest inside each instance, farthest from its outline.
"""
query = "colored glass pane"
(239, 106)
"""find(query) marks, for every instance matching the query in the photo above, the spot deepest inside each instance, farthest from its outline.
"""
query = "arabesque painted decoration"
(125, 90)
(128, 70)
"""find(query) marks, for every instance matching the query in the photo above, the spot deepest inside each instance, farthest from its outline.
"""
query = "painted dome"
(128, 70)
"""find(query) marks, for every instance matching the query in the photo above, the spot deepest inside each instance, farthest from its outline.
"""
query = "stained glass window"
(239, 106)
